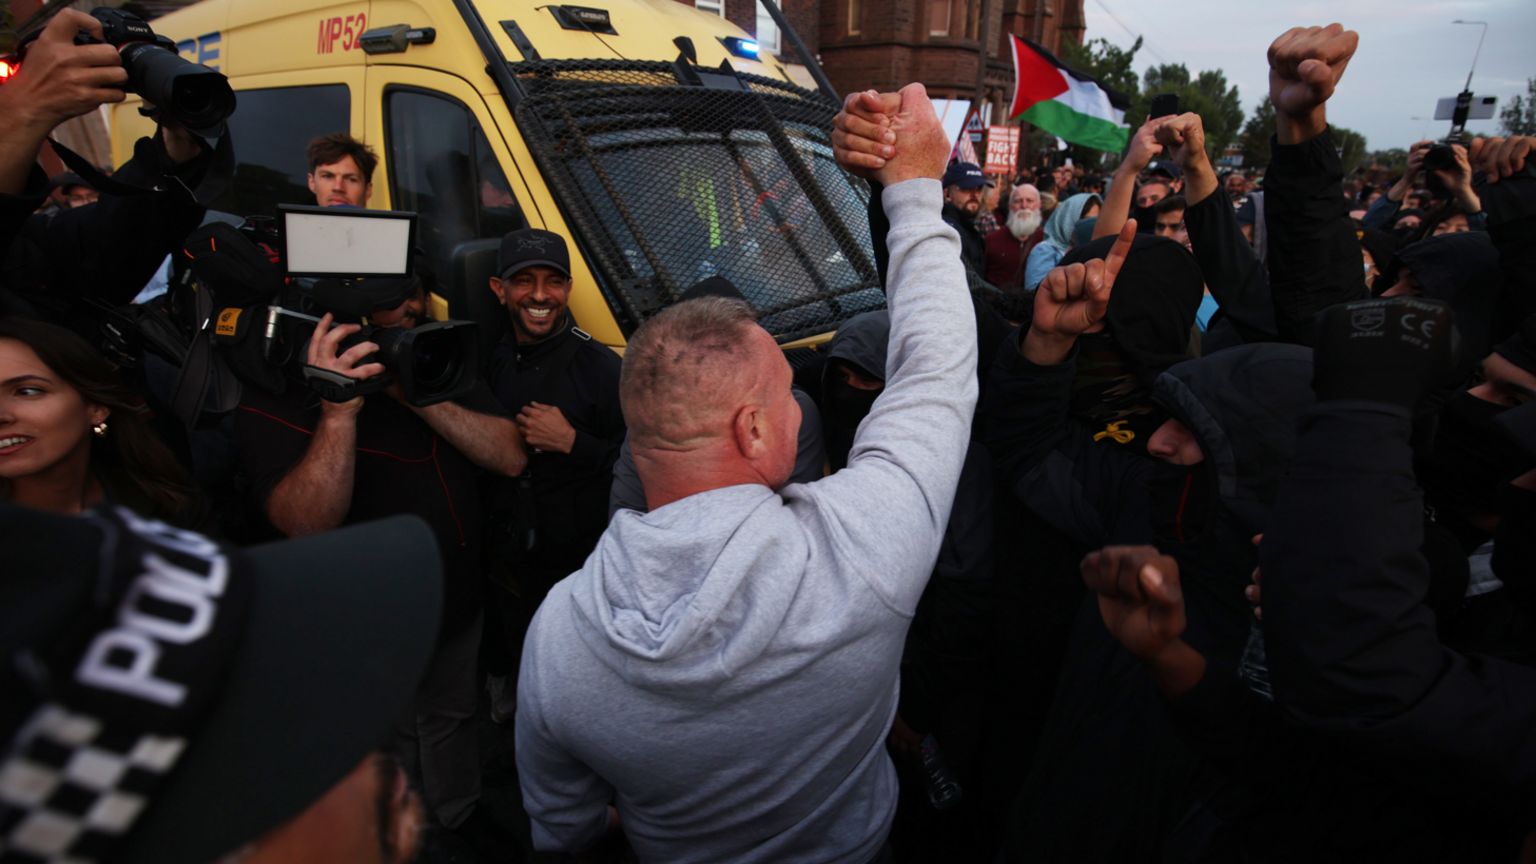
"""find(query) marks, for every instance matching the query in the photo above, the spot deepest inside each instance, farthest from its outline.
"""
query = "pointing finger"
(1117, 253)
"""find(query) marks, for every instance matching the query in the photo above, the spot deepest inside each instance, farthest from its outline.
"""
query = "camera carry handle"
(333, 386)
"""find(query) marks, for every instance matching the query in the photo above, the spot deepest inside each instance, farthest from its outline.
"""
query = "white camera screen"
(343, 244)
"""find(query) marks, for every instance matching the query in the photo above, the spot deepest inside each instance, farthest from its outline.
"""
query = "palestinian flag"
(1067, 104)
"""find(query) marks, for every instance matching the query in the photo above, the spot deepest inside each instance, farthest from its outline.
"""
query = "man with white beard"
(1008, 246)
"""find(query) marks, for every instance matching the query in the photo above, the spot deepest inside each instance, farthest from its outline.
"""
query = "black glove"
(1392, 350)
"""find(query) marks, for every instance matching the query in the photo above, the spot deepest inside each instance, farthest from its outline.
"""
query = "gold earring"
(100, 429)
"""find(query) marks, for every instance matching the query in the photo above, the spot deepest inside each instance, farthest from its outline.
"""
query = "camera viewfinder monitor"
(346, 242)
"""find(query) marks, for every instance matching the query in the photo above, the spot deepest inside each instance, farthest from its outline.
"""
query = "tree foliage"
(1254, 139)
(1206, 94)
(1351, 146)
(1519, 116)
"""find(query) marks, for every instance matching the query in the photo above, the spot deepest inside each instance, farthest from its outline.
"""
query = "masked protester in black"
(945, 681)
(1353, 651)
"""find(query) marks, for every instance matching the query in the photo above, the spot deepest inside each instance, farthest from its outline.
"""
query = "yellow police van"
(646, 132)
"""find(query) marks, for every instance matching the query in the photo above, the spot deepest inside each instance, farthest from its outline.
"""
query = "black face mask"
(843, 407)
(1180, 498)
(1473, 459)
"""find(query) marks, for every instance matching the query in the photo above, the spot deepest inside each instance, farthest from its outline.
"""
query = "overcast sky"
(1410, 53)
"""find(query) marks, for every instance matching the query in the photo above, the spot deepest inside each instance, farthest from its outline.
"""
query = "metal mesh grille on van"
(667, 184)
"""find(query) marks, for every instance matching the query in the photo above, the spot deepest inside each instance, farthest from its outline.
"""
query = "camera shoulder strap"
(215, 178)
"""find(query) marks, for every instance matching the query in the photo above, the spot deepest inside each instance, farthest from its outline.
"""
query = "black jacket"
(1233, 272)
(973, 246)
(580, 376)
(1314, 256)
(1353, 650)
(105, 251)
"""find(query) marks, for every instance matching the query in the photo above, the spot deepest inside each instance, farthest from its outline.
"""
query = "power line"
(1145, 43)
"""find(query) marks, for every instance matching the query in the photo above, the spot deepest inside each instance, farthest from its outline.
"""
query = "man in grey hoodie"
(722, 672)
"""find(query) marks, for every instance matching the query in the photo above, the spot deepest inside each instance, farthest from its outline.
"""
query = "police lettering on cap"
(532, 247)
(966, 175)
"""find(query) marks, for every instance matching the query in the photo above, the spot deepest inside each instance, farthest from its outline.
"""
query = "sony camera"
(349, 263)
(192, 96)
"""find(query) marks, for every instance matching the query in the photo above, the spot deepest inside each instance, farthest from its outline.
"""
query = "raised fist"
(1184, 136)
(1140, 597)
(1305, 65)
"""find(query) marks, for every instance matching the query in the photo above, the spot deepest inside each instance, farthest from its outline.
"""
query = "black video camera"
(192, 96)
(350, 263)
(1440, 157)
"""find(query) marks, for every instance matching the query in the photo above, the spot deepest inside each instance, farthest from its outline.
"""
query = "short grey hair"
(684, 366)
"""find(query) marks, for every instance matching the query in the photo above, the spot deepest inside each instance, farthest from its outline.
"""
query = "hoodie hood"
(692, 592)
(863, 340)
(1463, 271)
(1243, 405)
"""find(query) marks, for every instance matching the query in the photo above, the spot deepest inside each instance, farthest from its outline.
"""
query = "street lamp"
(1484, 25)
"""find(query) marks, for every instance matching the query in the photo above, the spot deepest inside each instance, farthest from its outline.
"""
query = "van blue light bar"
(740, 47)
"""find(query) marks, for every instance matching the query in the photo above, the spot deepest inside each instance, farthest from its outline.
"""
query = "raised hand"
(60, 79)
(1140, 598)
(1143, 148)
(922, 148)
(862, 138)
(1184, 136)
(1072, 300)
(1502, 158)
(1305, 65)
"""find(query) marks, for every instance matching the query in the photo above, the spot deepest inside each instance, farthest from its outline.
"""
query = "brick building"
(887, 43)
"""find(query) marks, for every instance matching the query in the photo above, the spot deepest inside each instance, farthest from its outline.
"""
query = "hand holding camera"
(333, 360)
(62, 79)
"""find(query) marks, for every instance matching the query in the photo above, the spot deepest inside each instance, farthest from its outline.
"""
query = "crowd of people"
(1163, 515)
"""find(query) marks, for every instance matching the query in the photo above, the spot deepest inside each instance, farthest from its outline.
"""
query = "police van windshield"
(666, 184)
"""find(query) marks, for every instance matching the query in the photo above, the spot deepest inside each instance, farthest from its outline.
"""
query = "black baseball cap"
(164, 698)
(966, 175)
(532, 247)
(1166, 168)
(68, 179)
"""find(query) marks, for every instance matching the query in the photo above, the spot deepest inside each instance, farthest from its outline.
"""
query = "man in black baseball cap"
(563, 387)
(166, 699)
(963, 185)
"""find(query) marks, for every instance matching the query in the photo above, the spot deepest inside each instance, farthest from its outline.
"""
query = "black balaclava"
(861, 343)
(1151, 311)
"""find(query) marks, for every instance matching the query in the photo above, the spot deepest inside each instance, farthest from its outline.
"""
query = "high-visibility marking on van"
(203, 49)
(340, 32)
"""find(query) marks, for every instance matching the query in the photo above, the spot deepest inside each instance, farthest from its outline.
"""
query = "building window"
(855, 17)
(767, 31)
(715, 6)
(938, 17)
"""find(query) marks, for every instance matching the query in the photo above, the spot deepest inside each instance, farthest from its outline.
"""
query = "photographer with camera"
(109, 251)
(315, 464)
(1445, 171)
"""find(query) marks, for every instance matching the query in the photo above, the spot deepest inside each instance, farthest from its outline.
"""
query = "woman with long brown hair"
(72, 436)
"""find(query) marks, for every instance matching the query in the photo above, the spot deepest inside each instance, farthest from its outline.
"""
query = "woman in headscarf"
(1058, 236)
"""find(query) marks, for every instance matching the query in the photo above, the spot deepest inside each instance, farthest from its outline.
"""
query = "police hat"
(169, 699)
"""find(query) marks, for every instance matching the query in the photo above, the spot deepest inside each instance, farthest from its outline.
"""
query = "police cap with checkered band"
(164, 698)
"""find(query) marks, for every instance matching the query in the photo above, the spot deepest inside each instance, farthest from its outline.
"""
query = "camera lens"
(435, 361)
(191, 95)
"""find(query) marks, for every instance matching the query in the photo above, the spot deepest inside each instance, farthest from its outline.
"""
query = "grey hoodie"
(724, 668)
